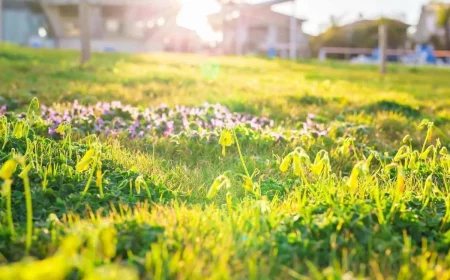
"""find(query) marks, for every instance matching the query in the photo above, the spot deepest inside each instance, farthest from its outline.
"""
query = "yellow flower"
(226, 139)
(99, 177)
(18, 130)
(248, 184)
(84, 163)
(401, 180)
(219, 183)
(61, 129)
(297, 160)
(286, 163)
(354, 176)
(8, 169)
(108, 238)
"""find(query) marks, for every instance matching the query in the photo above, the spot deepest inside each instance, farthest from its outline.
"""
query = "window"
(112, 26)
(71, 27)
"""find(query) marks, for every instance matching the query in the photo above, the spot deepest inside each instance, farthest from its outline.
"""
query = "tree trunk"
(85, 36)
(293, 33)
(447, 36)
(1, 20)
(382, 46)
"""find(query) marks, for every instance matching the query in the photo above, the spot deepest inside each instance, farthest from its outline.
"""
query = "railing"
(442, 54)
(353, 51)
(366, 51)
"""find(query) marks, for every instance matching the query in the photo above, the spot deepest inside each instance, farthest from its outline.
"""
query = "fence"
(367, 51)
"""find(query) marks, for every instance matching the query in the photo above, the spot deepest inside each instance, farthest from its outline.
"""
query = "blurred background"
(418, 31)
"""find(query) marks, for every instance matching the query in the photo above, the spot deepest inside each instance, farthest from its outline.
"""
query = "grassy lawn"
(221, 168)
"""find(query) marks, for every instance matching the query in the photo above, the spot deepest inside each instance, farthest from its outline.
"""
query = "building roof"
(260, 13)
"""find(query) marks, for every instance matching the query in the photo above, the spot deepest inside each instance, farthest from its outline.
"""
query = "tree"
(443, 20)
(85, 40)
(334, 21)
(1, 19)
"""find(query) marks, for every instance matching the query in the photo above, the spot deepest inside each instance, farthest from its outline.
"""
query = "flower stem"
(29, 206)
(240, 154)
(9, 212)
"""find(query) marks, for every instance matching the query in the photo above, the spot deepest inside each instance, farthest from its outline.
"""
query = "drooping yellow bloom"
(99, 177)
(3, 126)
(407, 139)
(61, 129)
(354, 176)
(18, 130)
(424, 154)
(226, 140)
(248, 184)
(215, 187)
(84, 163)
(6, 188)
(286, 163)
(297, 160)
(401, 180)
(429, 184)
(430, 132)
(108, 238)
(220, 182)
(8, 169)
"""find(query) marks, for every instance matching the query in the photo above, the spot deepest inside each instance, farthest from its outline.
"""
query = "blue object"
(390, 58)
(376, 54)
(271, 53)
(428, 52)
(109, 49)
(36, 45)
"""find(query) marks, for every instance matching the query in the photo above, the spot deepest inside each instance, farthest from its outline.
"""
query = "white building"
(115, 25)
(257, 29)
(427, 28)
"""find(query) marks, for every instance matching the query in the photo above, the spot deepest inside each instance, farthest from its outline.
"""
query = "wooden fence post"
(1, 20)
(382, 46)
(293, 32)
(239, 32)
(85, 36)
